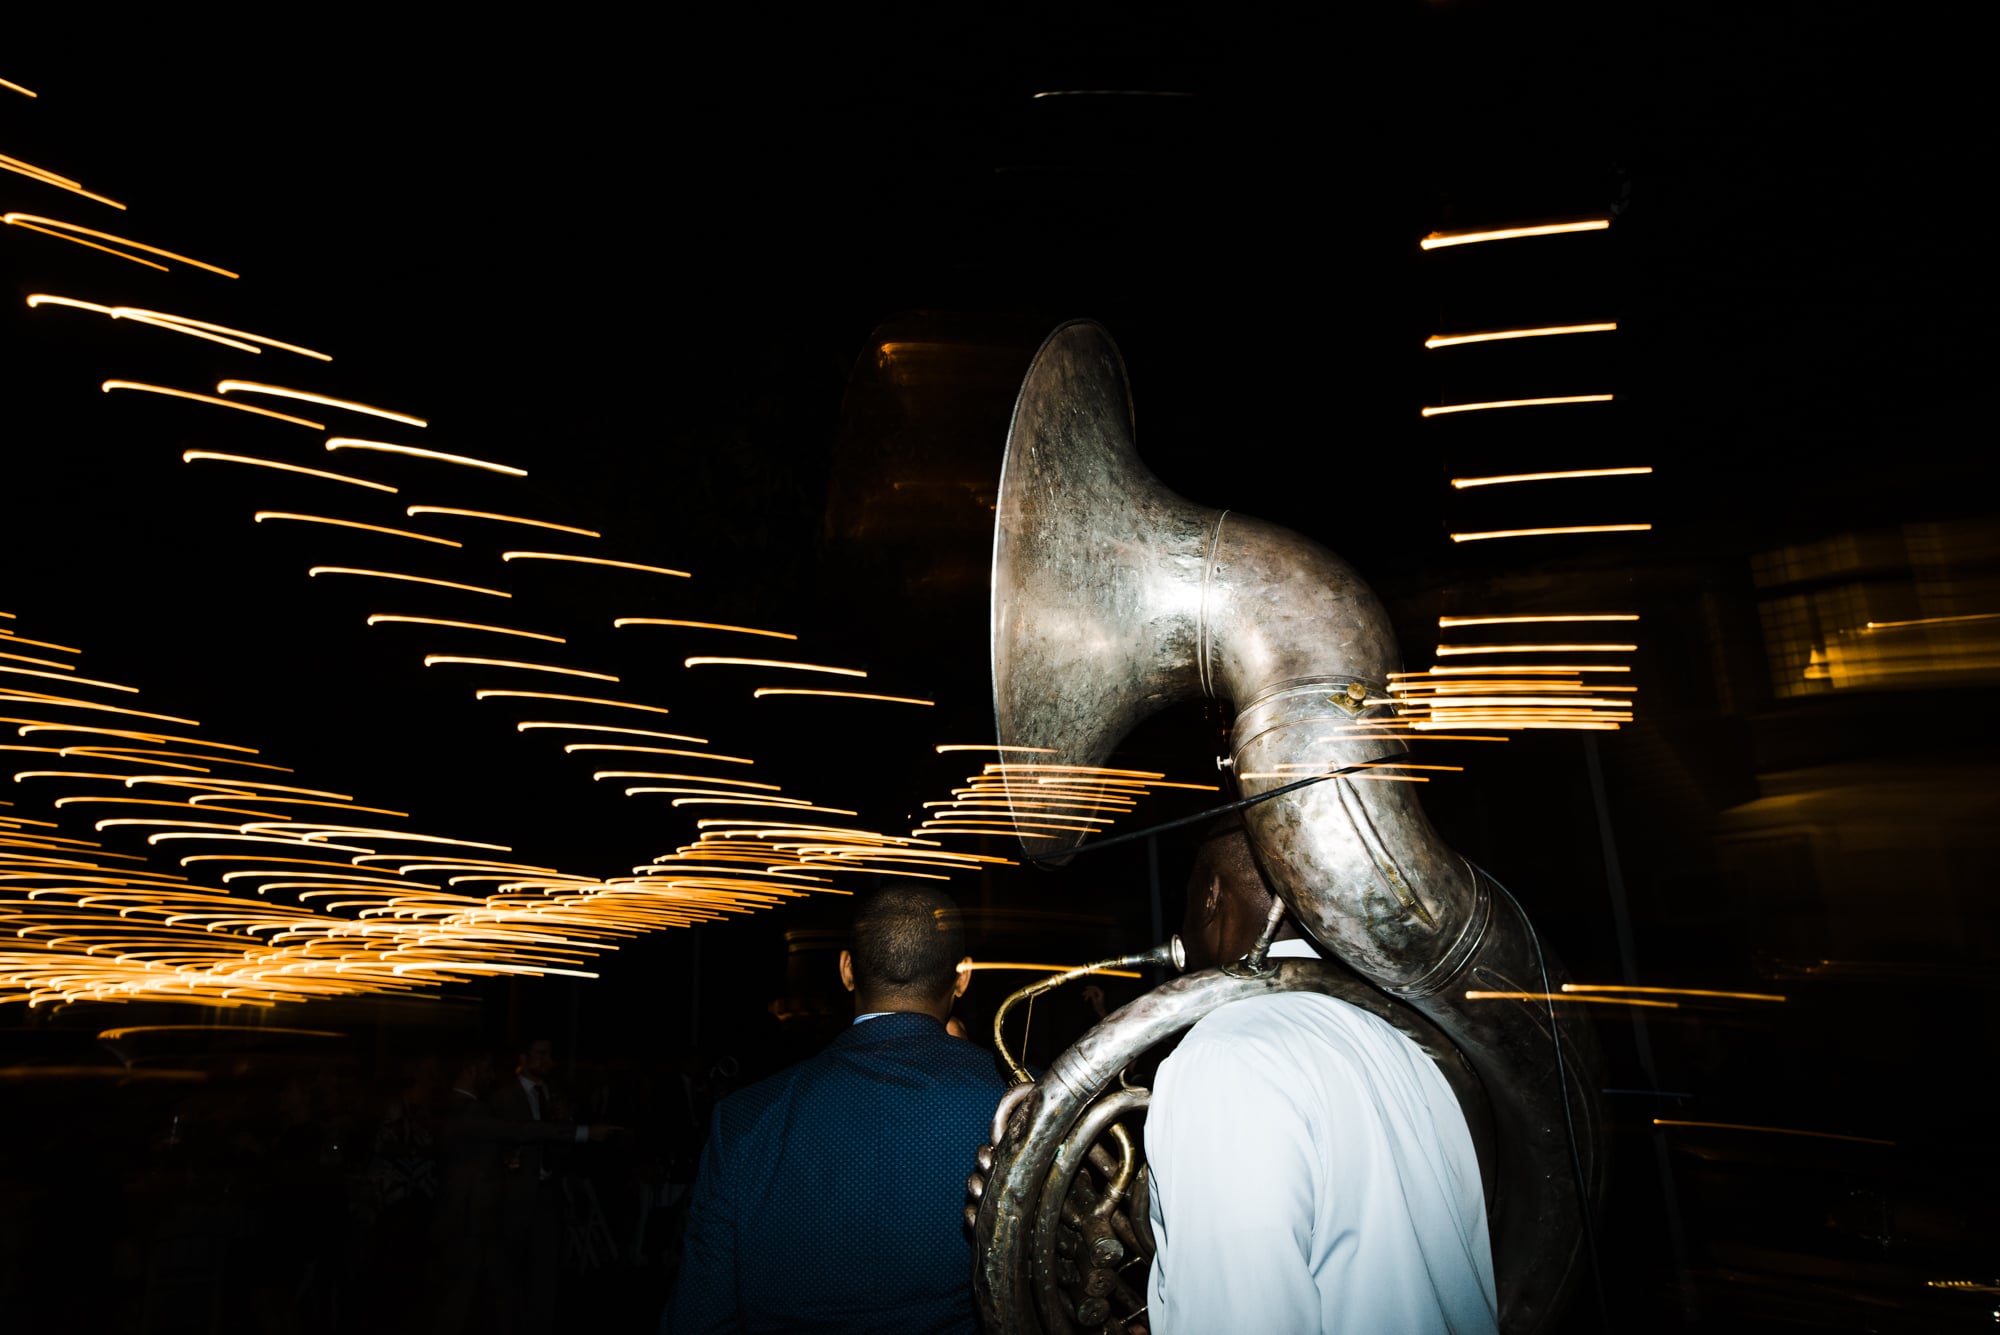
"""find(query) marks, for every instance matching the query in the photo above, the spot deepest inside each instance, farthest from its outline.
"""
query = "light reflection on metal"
(383, 618)
(1501, 479)
(763, 691)
(416, 510)
(571, 699)
(1498, 335)
(1774, 1130)
(262, 515)
(435, 660)
(1550, 532)
(110, 385)
(239, 339)
(438, 456)
(1445, 409)
(307, 396)
(412, 579)
(191, 456)
(1439, 240)
(702, 625)
(703, 661)
(592, 561)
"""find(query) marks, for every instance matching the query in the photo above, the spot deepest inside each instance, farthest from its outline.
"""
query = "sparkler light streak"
(191, 456)
(1439, 240)
(11, 86)
(306, 396)
(413, 579)
(1503, 479)
(435, 660)
(763, 691)
(385, 619)
(572, 699)
(262, 515)
(592, 561)
(47, 177)
(704, 661)
(1550, 532)
(416, 510)
(701, 625)
(1497, 335)
(611, 728)
(1447, 650)
(437, 456)
(1445, 623)
(1446, 409)
(240, 339)
(110, 385)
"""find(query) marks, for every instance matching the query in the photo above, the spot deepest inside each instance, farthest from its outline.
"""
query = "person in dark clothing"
(830, 1196)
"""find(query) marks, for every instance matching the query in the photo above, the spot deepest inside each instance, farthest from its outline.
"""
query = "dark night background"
(656, 262)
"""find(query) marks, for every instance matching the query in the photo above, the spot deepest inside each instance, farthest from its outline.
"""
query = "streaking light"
(763, 691)
(701, 625)
(413, 579)
(1445, 623)
(1497, 335)
(572, 699)
(384, 447)
(943, 747)
(432, 660)
(15, 87)
(1503, 478)
(592, 561)
(179, 324)
(1444, 409)
(416, 510)
(1774, 1130)
(1550, 532)
(262, 515)
(774, 663)
(304, 396)
(190, 456)
(605, 727)
(110, 385)
(29, 219)
(1557, 996)
(1439, 240)
(1673, 991)
(1448, 650)
(383, 618)
(47, 177)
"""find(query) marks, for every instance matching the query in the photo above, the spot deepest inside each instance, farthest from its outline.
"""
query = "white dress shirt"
(1312, 1171)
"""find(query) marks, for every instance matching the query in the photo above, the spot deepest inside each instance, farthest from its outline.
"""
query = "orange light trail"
(1496, 335)
(1673, 991)
(1501, 479)
(240, 339)
(262, 515)
(28, 219)
(110, 385)
(1447, 622)
(9, 637)
(433, 660)
(305, 396)
(24, 92)
(1439, 240)
(592, 561)
(781, 804)
(774, 663)
(439, 456)
(317, 571)
(382, 618)
(1447, 408)
(975, 966)
(572, 699)
(47, 177)
(1448, 650)
(1558, 996)
(1550, 532)
(606, 727)
(190, 456)
(1774, 1130)
(77, 240)
(688, 778)
(1496, 668)
(702, 625)
(944, 747)
(416, 510)
(69, 681)
(763, 691)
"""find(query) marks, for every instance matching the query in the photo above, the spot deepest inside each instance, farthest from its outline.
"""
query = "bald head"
(1228, 900)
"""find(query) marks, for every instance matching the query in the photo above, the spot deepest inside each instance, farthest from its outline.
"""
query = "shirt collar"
(1294, 948)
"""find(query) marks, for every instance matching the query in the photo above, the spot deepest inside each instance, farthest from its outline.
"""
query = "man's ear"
(847, 969)
(964, 977)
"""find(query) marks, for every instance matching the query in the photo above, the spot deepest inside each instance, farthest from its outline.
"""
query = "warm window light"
(191, 456)
(439, 456)
(262, 515)
(774, 663)
(305, 396)
(1444, 409)
(592, 561)
(317, 571)
(384, 619)
(1439, 240)
(110, 385)
(1501, 479)
(1497, 335)
(702, 625)
(1550, 532)
(572, 699)
(416, 510)
(435, 660)
(763, 691)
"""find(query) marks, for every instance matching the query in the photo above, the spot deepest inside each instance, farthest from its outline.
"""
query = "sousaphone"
(1113, 598)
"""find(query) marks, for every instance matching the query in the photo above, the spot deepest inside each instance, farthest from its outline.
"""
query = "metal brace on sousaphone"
(1113, 598)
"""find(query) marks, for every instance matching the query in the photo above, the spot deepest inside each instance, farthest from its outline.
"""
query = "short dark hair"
(908, 940)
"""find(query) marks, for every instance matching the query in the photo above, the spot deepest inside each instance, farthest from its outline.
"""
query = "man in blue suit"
(830, 1197)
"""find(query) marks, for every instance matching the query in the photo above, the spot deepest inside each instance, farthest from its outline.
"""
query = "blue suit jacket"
(831, 1196)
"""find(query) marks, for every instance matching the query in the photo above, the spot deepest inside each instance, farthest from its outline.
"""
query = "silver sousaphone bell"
(1113, 598)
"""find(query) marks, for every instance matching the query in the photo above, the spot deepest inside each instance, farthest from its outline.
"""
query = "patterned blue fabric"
(831, 1196)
